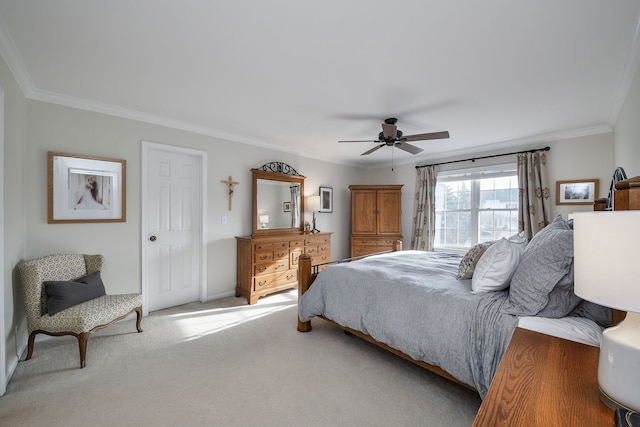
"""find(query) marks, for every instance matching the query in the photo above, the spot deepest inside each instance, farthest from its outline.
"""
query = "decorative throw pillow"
(470, 259)
(496, 266)
(546, 262)
(65, 294)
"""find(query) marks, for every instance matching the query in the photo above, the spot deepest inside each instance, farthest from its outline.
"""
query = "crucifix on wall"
(230, 184)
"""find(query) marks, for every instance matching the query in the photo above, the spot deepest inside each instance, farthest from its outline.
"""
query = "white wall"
(576, 158)
(58, 128)
(627, 131)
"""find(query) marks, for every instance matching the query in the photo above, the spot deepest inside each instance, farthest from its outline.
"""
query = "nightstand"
(545, 381)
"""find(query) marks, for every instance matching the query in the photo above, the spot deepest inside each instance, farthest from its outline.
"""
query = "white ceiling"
(301, 75)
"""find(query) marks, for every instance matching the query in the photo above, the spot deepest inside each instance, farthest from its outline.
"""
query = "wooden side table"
(545, 381)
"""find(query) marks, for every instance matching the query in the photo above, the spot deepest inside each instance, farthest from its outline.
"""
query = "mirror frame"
(276, 176)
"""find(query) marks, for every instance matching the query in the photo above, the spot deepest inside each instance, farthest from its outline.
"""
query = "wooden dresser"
(545, 381)
(376, 218)
(268, 264)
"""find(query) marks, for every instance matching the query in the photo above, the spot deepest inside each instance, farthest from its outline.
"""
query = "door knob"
(152, 238)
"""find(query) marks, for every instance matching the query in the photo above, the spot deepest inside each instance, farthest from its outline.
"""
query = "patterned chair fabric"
(78, 320)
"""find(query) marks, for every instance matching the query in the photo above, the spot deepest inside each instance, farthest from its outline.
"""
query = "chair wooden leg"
(139, 319)
(32, 339)
(83, 339)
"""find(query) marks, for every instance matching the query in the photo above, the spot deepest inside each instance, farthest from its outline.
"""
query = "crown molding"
(14, 61)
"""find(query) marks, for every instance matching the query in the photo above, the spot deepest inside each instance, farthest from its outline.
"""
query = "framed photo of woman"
(85, 189)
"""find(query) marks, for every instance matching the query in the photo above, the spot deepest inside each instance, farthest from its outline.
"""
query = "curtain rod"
(473, 159)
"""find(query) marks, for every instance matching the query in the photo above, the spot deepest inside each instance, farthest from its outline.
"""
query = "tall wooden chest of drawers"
(268, 264)
(376, 218)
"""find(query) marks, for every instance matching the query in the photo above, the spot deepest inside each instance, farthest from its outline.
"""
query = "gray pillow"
(544, 276)
(65, 294)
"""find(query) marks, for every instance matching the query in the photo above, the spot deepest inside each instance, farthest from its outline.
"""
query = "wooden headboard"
(625, 198)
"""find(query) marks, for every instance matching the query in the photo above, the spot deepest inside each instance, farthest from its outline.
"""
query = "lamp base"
(609, 401)
(619, 365)
(314, 229)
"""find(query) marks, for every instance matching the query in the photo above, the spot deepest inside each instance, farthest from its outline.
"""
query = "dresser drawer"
(311, 250)
(295, 256)
(366, 250)
(363, 241)
(293, 244)
(274, 279)
(387, 243)
(315, 240)
(321, 258)
(261, 257)
(281, 254)
(324, 248)
(271, 267)
(270, 246)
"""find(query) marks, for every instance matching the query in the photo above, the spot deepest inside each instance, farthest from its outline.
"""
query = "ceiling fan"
(392, 137)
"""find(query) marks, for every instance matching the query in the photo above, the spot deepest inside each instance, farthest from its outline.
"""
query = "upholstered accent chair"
(80, 319)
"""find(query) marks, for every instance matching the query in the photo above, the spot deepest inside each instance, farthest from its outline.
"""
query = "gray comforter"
(411, 301)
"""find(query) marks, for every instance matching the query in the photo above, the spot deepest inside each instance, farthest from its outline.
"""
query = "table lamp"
(313, 204)
(605, 260)
(264, 220)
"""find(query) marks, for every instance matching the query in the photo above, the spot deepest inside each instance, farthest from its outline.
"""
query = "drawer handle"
(281, 254)
(290, 276)
(263, 282)
(280, 266)
(263, 257)
(262, 269)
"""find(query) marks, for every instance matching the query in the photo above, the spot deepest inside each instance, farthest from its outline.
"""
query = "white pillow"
(496, 265)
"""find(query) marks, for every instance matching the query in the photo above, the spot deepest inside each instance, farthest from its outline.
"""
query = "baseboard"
(220, 296)
(13, 365)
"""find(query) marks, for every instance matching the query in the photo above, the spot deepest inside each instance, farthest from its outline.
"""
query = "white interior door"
(173, 228)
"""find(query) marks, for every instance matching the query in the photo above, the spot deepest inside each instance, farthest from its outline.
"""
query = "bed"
(454, 314)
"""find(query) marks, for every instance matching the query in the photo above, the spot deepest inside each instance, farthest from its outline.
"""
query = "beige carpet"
(225, 363)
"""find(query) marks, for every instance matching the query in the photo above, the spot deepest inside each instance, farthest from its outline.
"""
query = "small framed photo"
(85, 189)
(286, 206)
(326, 199)
(577, 192)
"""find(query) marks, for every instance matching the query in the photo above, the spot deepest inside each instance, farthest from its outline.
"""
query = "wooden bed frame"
(306, 276)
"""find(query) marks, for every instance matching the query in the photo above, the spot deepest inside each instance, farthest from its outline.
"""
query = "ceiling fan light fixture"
(392, 137)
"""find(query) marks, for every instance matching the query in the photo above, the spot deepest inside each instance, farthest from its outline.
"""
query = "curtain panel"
(534, 206)
(424, 210)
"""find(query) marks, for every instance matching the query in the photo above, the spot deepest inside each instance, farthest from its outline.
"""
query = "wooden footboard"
(306, 276)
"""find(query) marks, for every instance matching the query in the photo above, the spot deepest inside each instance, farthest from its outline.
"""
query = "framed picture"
(286, 206)
(326, 199)
(85, 188)
(578, 192)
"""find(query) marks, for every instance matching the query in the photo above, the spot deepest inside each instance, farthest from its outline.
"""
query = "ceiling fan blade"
(389, 131)
(408, 147)
(426, 136)
(377, 147)
(364, 140)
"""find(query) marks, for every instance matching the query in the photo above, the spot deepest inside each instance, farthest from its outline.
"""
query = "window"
(475, 206)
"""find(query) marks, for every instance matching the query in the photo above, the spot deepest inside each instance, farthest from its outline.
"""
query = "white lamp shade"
(606, 257)
(313, 203)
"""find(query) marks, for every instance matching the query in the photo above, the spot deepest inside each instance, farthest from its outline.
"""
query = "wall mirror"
(278, 202)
